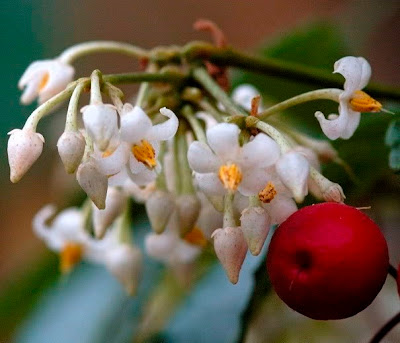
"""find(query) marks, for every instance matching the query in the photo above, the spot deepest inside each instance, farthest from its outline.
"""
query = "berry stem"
(392, 271)
(385, 329)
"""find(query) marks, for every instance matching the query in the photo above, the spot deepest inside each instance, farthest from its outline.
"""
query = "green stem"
(74, 52)
(177, 168)
(278, 68)
(206, 106)
(124, 227)
(116, 96)
(194, 124)
(229, 215)
(71, 119)
(270, 131)
(201, 75)
(44, 109)
(95, 88)
(185, 171)
(171, 77)
(327, 93)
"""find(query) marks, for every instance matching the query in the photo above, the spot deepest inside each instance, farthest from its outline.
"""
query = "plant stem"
(185, 171)
(385, 329)
(393, 272)
(327, 93)
(71, 119)
(194, 124)
(201, 75)
(116, 96)
(274, 67)
(229, 216)
(171, 77)
(74, 52)
(95, 88)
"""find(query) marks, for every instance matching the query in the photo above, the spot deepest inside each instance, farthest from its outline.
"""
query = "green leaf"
(394, 158)
(393, 133)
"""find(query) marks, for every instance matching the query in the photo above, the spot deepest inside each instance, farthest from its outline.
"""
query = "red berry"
(328, 261)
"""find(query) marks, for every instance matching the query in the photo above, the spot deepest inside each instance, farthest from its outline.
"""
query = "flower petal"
(280, 208)
(202, 159)
(244, 94)
(165, 130)
(261, 152)
(224, 141)
(352, 123)
(134, 125)
(352, 69)
(209, 184)
(115, 162)
(333, 128)
(253, 181)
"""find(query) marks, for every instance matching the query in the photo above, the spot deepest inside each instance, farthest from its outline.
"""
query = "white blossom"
(44, 79)
(224, 164)
(24, 148)
(71, 147)
(244, 94)
(357, 72)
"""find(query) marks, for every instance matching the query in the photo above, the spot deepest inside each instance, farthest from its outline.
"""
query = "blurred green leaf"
(393, 133)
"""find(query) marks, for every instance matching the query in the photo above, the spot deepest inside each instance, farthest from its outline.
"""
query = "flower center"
(71, 254)
(145, 153)
(230, 176)
(362, 102)
(44, 81)
(196, 237)
(268, 193)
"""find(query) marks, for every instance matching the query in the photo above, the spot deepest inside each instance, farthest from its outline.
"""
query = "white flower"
(352, 101)
(65, 235)
(71, 147)
(44, 79)
(293, 169)
(141, 139)
(244, 94)
(230, 166)
(101, 123)
(170, 248)
(231, 248)
(24, 148)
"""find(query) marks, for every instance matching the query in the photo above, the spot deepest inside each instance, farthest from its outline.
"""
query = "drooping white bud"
(159, 207)
(125, 263)
(24, 148)
(101, 123)
(93, 182)
(334, 193)
(293, 169)
(255, 222)
(244, 94)
(230, 247)
(71, 147)
(102, 219)
(188, 206)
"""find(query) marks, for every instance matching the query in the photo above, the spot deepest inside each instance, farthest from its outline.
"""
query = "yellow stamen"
(145, 153)
(196, 237)
(268, 193)
(107, 153)
(44, 81)
(70, 256)
(362, 102)
(230, 176)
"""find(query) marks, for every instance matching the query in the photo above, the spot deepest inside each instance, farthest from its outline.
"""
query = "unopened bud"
(24, 148)
(159, 207)
(230, 247)
(255, 223)
(93, 182)
(71, 147)
(102, 219)
(334, 193)
(293, 169)
(125, 263)
(188, 206)
(101, 123)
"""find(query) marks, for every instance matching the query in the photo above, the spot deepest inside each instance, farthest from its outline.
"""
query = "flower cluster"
(210, 169)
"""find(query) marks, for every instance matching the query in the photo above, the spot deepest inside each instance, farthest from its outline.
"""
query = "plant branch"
(385, 329)
(275, 67)
(392, 271)
(171, 77)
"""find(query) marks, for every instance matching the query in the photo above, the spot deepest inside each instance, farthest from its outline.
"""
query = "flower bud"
(159, 246)
(24, 148)
(71, 147)
(125, 263)
(188, 206)
(159, 207)
(230, 247)
(102, 219)
(293, 169)
(101, 123)
(255, 223)
(93, 182)
(334, 193)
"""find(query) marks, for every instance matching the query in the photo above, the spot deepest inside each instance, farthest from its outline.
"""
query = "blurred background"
(39, 29)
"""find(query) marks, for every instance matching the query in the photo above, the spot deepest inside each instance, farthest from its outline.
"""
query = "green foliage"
(392, 140)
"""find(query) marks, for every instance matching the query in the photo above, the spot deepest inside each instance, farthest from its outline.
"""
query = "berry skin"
(328, 261)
